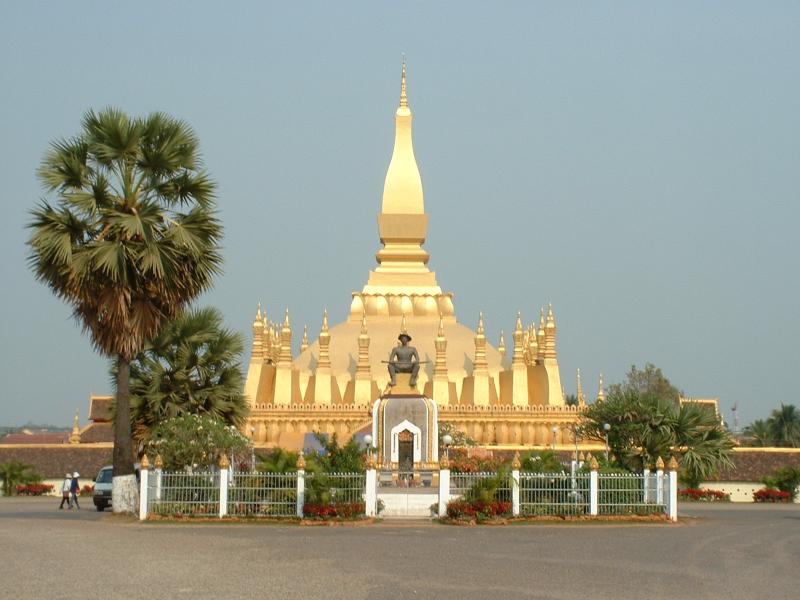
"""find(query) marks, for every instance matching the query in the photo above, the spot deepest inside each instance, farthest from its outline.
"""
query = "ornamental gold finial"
(444, 462)
(593, 465)
(259, 316)
(518, 324)
(224, 463)
(304, 341)
(403, 96)
(480, 323)
(515, 463)
(541, 318)
(301, 462)
(660, 463)
(145, 463)
(325, 320)
(601, 392)
(672, 465)
(159, 462)
(75, 436)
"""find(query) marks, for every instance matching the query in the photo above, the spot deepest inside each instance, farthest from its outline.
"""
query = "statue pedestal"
(403, 387)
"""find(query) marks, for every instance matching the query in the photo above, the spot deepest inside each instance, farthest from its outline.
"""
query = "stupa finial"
(325, 320)
(480, 330)
(403, 96)
(286, 318)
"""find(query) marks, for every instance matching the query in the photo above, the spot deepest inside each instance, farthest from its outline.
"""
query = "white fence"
(221, 493)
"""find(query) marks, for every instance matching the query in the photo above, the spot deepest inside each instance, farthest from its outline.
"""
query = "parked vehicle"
(102, 488)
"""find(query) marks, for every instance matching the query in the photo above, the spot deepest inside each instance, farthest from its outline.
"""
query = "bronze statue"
(404, 359)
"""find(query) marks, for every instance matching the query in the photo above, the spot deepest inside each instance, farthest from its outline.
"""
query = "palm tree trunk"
(124, 489)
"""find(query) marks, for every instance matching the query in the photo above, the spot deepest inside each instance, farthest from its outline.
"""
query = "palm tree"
(132, 239)
(785, 426)
(192, 367)
(14, 473)
(759, 433)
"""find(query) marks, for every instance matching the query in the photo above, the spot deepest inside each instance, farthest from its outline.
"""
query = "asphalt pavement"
(716, 551)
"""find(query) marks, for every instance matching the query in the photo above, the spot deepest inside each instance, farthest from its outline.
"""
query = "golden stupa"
(498, 400)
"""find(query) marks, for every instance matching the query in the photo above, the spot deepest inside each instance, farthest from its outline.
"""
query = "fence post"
(371, 495)
(159, 470)
(594, 487)
(673, 489)
(301, 485)
(659, 480)
(515, 466)
(224, 466)
(444, 485)
(143, 473)
(646, 483)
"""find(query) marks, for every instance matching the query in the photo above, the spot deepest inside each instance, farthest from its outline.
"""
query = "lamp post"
(555, 431)
(447, 439)
(252, 449)
(606, 428)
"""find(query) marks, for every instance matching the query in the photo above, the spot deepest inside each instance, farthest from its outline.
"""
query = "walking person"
(66, 486)
(75, 489)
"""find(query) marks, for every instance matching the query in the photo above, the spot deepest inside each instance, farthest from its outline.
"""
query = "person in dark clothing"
(74, 489)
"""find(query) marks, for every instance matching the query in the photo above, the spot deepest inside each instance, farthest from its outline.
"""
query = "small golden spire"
(480, 323)
(259, 316)
(75, 436)
(325, 320)
(501, 344)
(579, 393)
(403, 96)
(593, 465)
(304, 341)
(144, 464)
(515, 463)
(286, 318)
(518, 325)
(582, 457)
(444, 462)
(601, 392)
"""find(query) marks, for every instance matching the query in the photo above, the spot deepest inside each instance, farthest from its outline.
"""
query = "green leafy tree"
(14, 473)
(192, 367)
(336, 458)
(649, 382)
(196, 441)
(785, 479)
(131, 239)
(278, 461)
(544, 461)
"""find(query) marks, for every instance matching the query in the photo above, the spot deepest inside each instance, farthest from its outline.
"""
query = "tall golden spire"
(75, 436)
(403, 97)
(579, 393)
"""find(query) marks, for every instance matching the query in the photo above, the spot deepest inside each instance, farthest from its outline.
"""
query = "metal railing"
(553, 494)
(465, 484)
(629, 493)
(345, 488)
(262, 495)
(190, 494)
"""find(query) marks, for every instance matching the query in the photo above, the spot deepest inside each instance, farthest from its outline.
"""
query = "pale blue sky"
(634, 163)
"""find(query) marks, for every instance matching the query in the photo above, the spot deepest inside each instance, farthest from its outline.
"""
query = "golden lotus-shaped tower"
(331, 384)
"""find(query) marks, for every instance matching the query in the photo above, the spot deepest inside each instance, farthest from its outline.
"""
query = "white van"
(102, 488)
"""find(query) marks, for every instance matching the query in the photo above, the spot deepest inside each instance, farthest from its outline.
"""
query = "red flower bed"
(697, 495)
(34, 489)
(770, 495)
(463, 509)
(349, 510)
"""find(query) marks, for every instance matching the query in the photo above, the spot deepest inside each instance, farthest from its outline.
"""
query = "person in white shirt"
(65, 486)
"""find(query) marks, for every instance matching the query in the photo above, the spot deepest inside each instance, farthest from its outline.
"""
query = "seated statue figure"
(404, 359)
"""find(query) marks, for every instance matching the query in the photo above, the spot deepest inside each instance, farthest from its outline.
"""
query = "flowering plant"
(34, 489)
(770, 495)
(698, 495)
(343, 510)
(196, 441)
(477, 509)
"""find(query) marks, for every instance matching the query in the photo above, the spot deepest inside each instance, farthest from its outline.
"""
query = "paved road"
(730, 551)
